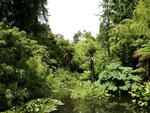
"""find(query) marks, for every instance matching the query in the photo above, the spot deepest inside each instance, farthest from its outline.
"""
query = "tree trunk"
(148, 68)
(35, 27)
(68, 59)
(92, 69)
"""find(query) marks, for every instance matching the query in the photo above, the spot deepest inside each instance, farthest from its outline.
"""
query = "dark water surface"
(113, 105)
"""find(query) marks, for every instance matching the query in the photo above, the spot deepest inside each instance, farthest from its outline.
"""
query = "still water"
(113, 105)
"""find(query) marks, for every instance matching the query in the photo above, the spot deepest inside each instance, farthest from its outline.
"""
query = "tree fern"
(144, 58)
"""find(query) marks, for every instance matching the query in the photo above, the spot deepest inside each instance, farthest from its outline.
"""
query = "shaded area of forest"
(37, 65)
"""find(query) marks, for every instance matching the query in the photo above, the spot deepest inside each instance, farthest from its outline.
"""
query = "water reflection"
(113, 105)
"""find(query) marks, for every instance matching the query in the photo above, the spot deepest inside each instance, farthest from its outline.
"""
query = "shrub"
(46, 105)
(88, 91)
(141, 94)
(118, 79)
(62, 82)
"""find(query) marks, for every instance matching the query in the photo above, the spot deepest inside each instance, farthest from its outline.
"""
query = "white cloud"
(69, 16)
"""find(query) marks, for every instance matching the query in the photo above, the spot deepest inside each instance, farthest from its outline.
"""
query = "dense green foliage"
(141, 94)
(128, 39)
(114, 12)
(36, 65)
(89, 91)
(118, 79)
(46, 105)
(24, 14)
(23, 70)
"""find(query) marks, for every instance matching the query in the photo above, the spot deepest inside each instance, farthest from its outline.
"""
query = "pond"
(113, 105)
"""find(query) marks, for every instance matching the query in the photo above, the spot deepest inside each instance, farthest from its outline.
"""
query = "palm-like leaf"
(144, 57)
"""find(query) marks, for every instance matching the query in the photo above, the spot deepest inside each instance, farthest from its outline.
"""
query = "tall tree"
(103, 36)
(114, 11)
(122, 9)
(130, 34)
(88, 35)
(23, 69)
(143, 52)
(24, 14)
(91, 51)
(85, 55)
(77, 36)
(69, 51)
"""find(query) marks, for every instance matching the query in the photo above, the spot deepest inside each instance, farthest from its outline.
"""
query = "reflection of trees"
(82, 106)
(114, 105)
(68, 107)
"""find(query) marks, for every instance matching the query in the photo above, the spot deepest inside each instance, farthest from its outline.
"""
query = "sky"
(67, 17)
